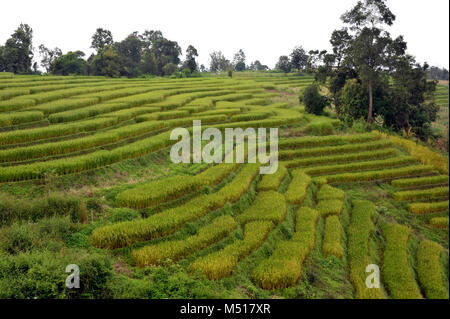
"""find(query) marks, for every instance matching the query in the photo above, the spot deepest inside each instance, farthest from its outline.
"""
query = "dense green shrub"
(41, 274)
(313, 100)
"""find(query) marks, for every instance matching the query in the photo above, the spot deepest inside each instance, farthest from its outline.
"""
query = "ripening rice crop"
(358, 234)
(340, 159)
(330, 150)
(156, 192)
(332, 238)
(268, 206)
(296, 191)
(424, 154)
(397, 272)
(328, 192)
(331, 140)
(330, 201)
(176, 249)
(161, 224)
(429, 270)
(360, 166)
(439, 222)
(428, 208)
(420, 181)
(220, 264)
(273, 181)
(283, 268)
(422, 194)
(380, 174)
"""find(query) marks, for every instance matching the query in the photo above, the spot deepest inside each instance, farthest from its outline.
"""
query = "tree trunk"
(369, 116)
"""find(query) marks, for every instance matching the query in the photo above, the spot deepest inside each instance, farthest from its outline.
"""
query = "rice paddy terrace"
(337, 203)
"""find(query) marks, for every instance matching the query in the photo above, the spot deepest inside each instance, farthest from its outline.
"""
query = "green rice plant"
(85, 112)
(9, 93)
(397, 272)
(161, 224)
(358, 234)
(33, 134)
(163, 190)
(296, 191)
(331, 140)
(328, 150)
(64, 105)
(439, 222)
(16, 104)
(78, 144)
(330, 207)
(15, 118)
(251, 116)
(336, 159)
(221, 263)
(421, 194)
(420, 181)
(429, 270)
(157, 192)
(215, 174)
(273, 181)
(283, 268)
(174, 250)
(328, 192)
(268, 206)
(358, 166)
(428, 208)
(380, 174)
(332, 238)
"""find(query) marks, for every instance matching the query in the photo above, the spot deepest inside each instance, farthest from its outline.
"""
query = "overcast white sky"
(263, 29)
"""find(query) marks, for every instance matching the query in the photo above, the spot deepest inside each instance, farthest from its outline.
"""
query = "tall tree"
(371, 45)
(284, 64)
(239, 61)
(299, 58)
(340, 40)
(129, 51)
(218, 62)
(48, 56)
(18, 50)
(190, 62)
(101, 38)
(70, 63)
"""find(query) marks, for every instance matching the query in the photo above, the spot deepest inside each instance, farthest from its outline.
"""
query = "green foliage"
(12, 209)
(313, 100)
(41, 274)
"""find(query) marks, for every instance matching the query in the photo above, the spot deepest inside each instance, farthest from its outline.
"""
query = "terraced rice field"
(336, 204)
